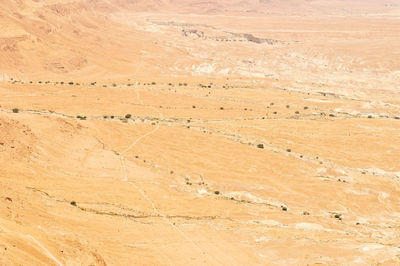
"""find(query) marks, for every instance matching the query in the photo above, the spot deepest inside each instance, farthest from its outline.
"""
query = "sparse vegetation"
(338, 216)
(216, 192)
(81, 117)
(260, 146)
(127, 116)
(73, 203)
(15, 110)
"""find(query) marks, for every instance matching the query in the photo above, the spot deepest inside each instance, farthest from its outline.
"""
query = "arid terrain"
(183, 132)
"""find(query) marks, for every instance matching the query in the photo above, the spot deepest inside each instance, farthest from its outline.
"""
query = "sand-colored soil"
(254, 138)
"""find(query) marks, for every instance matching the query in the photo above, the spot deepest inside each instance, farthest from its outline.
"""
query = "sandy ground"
(252, 138)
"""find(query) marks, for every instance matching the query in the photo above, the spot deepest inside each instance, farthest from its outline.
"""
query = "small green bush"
(15, 110)
(127, 116)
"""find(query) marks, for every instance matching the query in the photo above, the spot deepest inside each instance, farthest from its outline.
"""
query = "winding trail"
(143, 193)
(48, 253)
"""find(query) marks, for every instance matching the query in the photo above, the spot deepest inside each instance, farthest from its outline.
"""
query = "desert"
(186, 132)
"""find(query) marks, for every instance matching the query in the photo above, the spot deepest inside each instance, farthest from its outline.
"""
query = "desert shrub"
(112, 117)
(153, 83)
(73, 203)
(288, 150)
(70, 83)
(216, 192)
(15, 110)
(331, 115)
(221, 108)
(305, 107)
(260, 146)
(297, 112)
(127, 116)
(105, 117)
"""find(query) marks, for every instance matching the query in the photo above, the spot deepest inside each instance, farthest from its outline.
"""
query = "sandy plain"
(259, 133)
